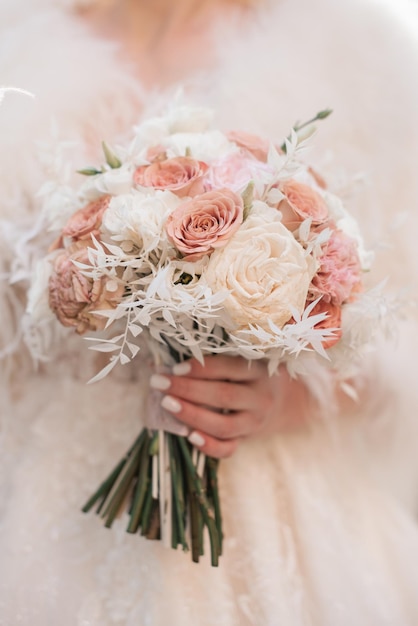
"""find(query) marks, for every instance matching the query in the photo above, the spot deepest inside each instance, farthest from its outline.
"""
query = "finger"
(221, 367)
(215, 394)
(218, 425)
(213, 447)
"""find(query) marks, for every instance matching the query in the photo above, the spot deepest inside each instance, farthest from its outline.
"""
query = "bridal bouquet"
(195, 241)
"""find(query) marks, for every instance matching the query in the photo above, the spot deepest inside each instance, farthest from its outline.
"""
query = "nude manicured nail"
(196, 439)
(181, 369)
(171, 404)
(159, 382)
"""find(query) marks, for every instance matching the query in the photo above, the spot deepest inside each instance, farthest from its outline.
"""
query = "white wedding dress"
(320, 524)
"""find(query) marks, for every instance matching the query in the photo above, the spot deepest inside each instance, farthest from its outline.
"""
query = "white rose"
(137, 219)
(265, 270)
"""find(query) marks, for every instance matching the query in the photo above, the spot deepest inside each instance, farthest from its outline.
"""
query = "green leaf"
(323, 114)
(89, 171)
(111, 158)
(247, 198)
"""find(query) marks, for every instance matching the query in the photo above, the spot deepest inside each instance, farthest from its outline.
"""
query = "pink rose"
(339, 274)
(300, 203)
(86, 221)
(332, 321)
(181, 175)
(205, 222)
(253, 144)
(74, 297)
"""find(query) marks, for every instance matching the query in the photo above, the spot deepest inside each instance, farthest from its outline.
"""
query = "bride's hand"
(227, 400)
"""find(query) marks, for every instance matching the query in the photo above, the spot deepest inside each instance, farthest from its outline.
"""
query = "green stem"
(142, 485)
(212, 465)
(146, 517)
(154, 527)
(206, 510)
(319, 116)
(122, 487)
(196, 526)
(177, 489)
(107, 484)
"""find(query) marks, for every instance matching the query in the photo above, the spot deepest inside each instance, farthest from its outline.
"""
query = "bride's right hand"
(228, 399)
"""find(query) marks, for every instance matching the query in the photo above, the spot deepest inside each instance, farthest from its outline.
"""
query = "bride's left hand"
(225, 401)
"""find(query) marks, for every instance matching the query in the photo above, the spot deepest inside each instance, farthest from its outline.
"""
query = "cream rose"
(205, 222)
(265, 270)
(181, 175)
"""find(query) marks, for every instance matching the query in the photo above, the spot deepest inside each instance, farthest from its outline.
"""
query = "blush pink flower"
(74, 297)
(332, 321)
(301, 202)
(339, 274)
(255, 145)
(204, 223)
(86, 221)
(235, 171)
(180, 175)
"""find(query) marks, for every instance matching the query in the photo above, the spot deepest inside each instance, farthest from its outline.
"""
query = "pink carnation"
(181, 175)
(205, 222)
(339, 274)
(301, 202)
(74, 297)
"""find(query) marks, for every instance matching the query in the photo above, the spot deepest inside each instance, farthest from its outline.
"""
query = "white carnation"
(138, 219)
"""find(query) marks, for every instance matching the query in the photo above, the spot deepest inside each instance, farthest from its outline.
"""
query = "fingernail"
(171, 404)
(159, 382)
(196, 439)
(180, 369)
